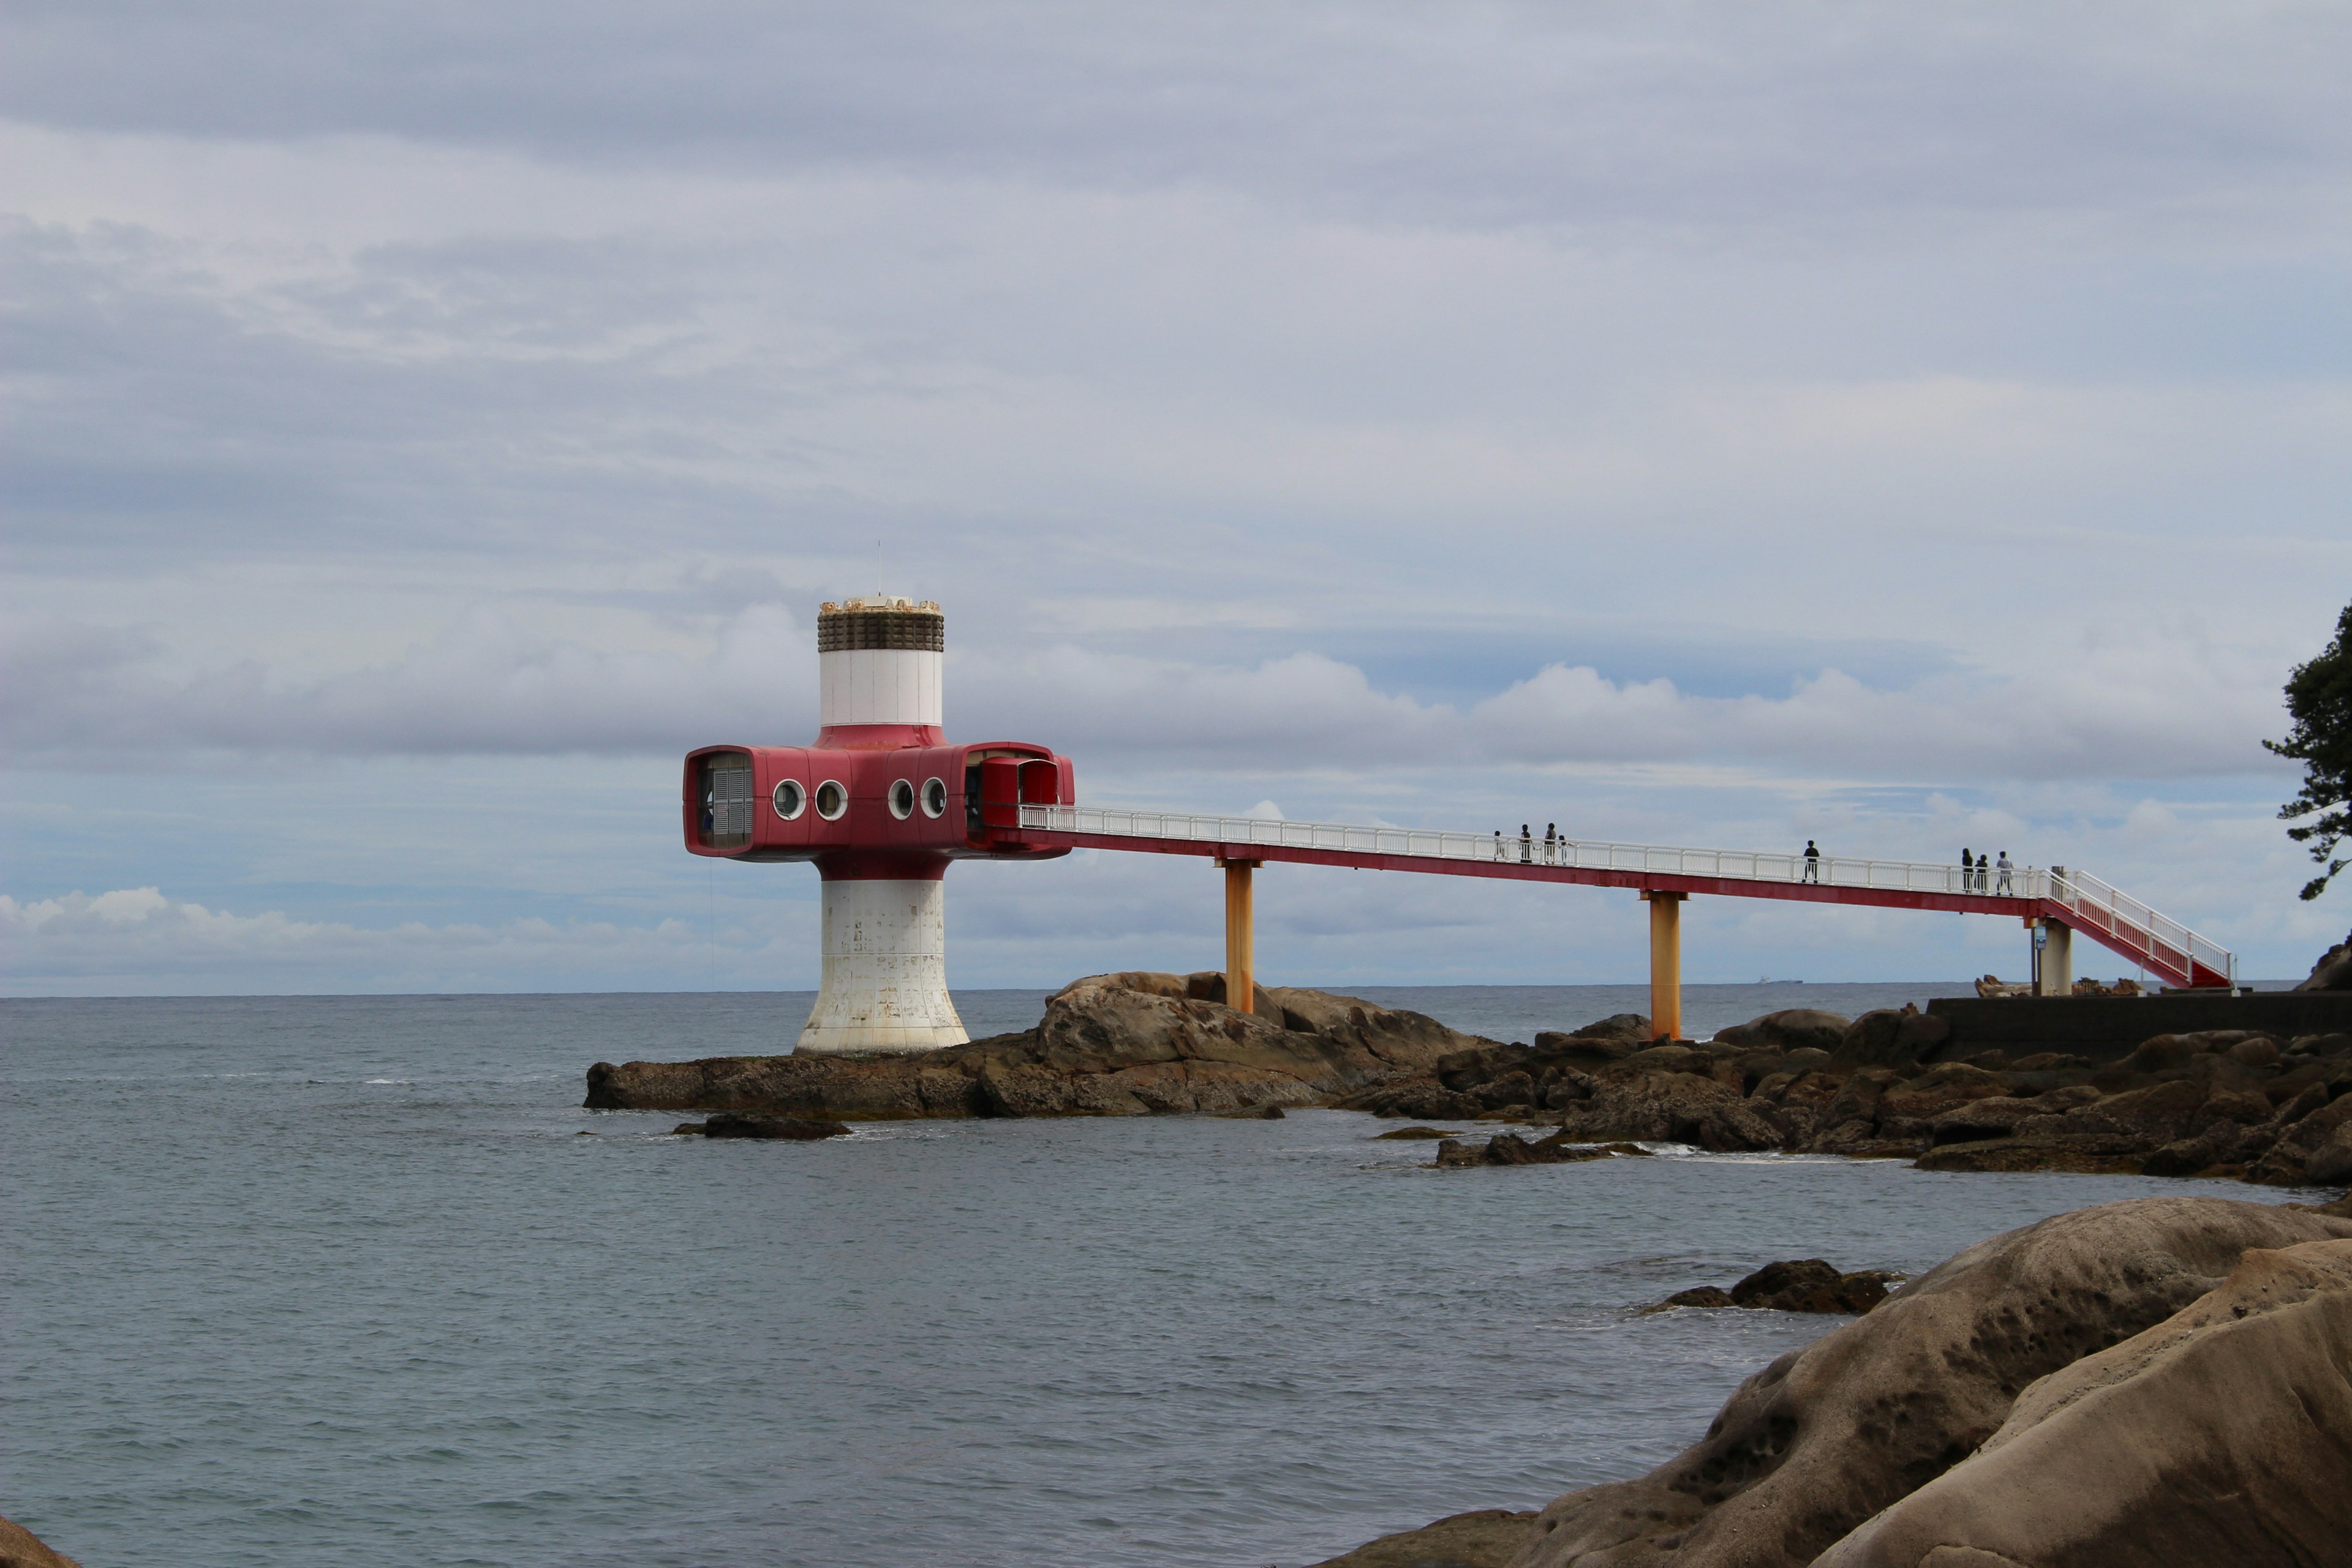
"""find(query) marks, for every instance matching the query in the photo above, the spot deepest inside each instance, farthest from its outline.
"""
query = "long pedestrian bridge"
(2059, 899)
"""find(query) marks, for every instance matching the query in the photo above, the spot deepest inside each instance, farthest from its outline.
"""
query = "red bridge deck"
(2068, 897)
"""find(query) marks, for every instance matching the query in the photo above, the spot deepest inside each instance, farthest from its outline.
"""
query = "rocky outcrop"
(2333, 970)
(1111, 1044)
(20, 1548)
(1889, 1036)
(1800, 1285)
(1677, 1093)
(2221, 1436)
(2221, 1102)
(787, 1129)
(1814, 1447)
(1510, 1148)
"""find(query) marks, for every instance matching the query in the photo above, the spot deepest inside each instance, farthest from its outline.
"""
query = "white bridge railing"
(2168, 946)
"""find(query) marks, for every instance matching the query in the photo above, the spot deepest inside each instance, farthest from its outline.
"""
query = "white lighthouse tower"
(881, 667)
(882, 804)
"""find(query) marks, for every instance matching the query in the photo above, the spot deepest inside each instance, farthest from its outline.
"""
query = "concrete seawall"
(2106, 1029)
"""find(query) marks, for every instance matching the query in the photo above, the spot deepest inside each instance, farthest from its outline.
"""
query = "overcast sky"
(1903, 426)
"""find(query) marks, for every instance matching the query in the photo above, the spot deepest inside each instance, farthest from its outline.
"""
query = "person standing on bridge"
(1812, 862)
(1967, 870)
(1551, 844)
(2003, 884)
(1498, 843)
(1526, 845)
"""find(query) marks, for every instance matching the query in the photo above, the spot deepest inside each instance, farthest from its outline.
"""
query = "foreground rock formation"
(1814, 1446)
(1111, 1044)
(2224, 1103)
(2221, 1436)
(2160, 1381)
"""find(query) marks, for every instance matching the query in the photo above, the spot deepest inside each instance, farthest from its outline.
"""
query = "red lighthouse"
(882, 802)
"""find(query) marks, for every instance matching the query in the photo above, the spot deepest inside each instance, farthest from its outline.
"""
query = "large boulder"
(1826, 1437)
(2221, 1436)
(1790, 1029)
(1110, 1044)
(1670, 1107)
(1892, 1036)
(2311, 1133)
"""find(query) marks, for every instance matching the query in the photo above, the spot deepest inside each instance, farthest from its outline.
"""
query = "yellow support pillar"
(1665, 965)
(1241, 966)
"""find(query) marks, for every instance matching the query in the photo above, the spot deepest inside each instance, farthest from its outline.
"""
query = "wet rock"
(1816, 1444)
(1420, 1098)
(2258, 1052)
(1510, 1148)
(1616, 1027)
(1811, 1285)
(1790, 1029)
(2127, 1457)
(2083, 1153)
(1416, 1133)
(1673, 1057)
(2154, 1115)
(2304, 1139)
(1699, 1296)
(1992, 1118)
(2330, 1165)
(1672, 1107)
(736, 1124)
(1911, 1107)
(1800, 1285)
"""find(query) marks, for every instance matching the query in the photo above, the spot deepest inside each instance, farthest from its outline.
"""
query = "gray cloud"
(2149, 710)
(1493, 114)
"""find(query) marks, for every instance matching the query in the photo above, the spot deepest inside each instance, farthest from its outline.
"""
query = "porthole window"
(902, 800)
(831, 801)
(935, 797)
(790, 799)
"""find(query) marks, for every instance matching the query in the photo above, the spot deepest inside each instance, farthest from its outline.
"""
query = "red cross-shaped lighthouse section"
(882, 802)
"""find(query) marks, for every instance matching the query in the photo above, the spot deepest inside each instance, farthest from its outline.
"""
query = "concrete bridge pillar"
(1665, 965)
(1241, 936)
(2053, 967)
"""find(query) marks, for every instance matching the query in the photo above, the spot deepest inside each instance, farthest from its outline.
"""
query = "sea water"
(344, 1281)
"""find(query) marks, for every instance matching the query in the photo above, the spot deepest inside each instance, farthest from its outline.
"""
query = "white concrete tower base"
(886, 972)
(2056, 975)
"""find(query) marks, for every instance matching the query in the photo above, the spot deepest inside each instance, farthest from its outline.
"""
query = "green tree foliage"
(2319, 700)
